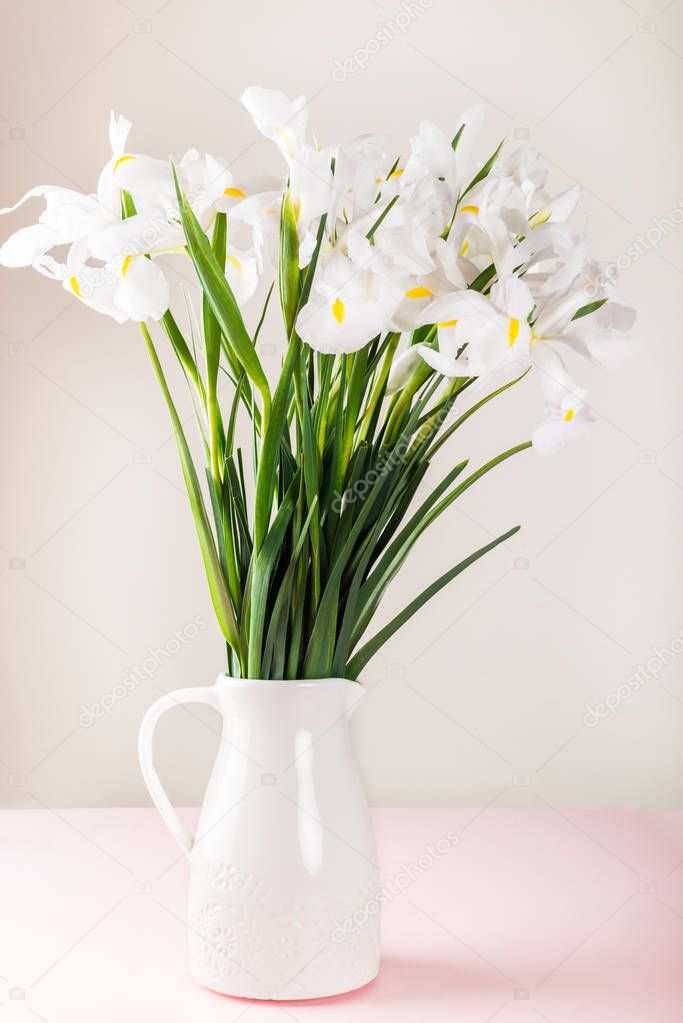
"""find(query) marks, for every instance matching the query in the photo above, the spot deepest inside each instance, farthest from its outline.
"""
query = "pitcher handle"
(196, 694)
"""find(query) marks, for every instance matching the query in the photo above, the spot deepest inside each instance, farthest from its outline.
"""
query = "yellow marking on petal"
(513, 331)
(75, 286)
(124, 266)
(569, 415)
(419, 293)
(338, 310)
(447, 323)
(122, 159)
(396, 174)
(542, 217)
(469, 209)
(235, 262)
(236, 193)
(464, 247)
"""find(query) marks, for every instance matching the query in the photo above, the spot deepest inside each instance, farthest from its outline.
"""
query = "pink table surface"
(533, 915)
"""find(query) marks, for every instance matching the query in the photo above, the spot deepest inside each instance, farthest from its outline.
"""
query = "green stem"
(220, 596)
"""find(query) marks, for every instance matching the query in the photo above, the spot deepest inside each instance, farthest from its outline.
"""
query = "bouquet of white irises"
(412, 293)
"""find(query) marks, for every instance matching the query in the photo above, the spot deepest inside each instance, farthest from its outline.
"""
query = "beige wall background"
(483, 697)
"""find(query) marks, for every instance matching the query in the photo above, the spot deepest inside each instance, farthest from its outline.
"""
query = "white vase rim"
(227, 681)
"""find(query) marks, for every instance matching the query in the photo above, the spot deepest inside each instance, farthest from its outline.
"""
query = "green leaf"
(393, 167)
(337, 476)
(232, 421)
(400, 409)
(261, 575)
(363, 557)
(276, 634)
(373, 408)
(263, 313)
(483, 279)
(235, 502)
(366, 652)
(398, 551)
(221, 298)
(471, 411)
(219, 593)
(586, 310)
(288, 264)
(358, 381)
(458, 136)
(387, 209)
(183, 354)
(485, 170)
(312, 489)
(212, 345)
(128, 208)
(320, 650)
(272, 438)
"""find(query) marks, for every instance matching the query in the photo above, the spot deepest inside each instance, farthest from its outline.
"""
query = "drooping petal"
(567, 424)
(554, 379)
(558, 209)
(27, 245)
(568, 416)
(443, 362)
(33, 193)
(137, 235)
(142, 290)
(73, 215)
(555, 314)
(605, 335)
(557, 252)
(67, 216)
(96, 287)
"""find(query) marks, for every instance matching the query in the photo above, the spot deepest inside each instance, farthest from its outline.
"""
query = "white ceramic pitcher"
(283, 878)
